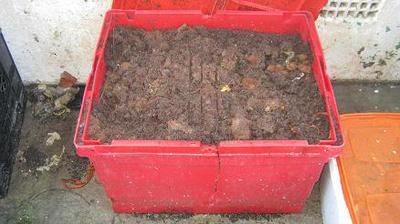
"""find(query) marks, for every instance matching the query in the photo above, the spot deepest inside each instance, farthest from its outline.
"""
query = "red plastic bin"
(261, 176)
(210, 6)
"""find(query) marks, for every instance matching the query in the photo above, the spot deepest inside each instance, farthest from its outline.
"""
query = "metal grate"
(359, 10)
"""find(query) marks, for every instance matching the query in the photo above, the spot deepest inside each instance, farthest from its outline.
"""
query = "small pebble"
(376, 91)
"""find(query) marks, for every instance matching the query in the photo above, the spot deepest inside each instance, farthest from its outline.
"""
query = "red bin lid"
(209, 6)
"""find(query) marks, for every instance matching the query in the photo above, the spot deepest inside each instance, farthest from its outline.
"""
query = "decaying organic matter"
(208, 85)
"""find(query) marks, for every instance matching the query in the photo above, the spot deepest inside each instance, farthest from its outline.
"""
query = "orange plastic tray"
(370, 167)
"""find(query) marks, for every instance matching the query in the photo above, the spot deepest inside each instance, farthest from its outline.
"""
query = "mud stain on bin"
(209, 85)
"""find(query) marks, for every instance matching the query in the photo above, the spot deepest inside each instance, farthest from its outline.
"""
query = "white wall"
(342, 39)
(47, 37)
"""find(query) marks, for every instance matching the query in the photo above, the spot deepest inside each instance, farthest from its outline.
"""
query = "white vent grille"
(359, 10)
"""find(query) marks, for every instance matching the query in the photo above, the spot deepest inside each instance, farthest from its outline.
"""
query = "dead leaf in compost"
(225, 88)
(249, 82)
(292, 66)
(277, 68)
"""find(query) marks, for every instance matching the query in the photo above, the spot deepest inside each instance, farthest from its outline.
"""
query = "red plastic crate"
(210, 6)
(261, 176)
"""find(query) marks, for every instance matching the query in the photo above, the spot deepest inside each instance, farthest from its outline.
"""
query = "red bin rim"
(332, 146)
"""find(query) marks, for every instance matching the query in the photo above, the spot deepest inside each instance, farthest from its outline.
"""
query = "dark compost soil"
(209, 85)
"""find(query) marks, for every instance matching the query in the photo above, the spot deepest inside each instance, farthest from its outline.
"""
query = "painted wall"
(47, 37)
(363, 48)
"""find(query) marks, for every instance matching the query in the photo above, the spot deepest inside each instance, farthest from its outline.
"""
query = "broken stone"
(67, 80)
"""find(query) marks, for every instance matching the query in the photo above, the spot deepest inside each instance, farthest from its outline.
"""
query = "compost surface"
(209, 85)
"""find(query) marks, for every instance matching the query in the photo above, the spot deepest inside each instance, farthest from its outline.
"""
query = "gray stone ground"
(39, 197)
